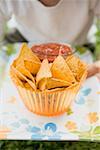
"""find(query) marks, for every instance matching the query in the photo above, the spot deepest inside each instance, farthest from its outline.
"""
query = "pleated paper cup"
(50, 102)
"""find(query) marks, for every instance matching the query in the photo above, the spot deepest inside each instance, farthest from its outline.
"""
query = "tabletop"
(81, 122)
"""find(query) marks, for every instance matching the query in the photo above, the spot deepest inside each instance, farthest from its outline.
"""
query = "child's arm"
(2, 24)
(5, 15)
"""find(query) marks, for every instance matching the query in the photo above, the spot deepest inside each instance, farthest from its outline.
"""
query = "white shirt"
(69, 21)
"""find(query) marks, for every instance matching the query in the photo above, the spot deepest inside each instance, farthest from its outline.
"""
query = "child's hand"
(94, 69)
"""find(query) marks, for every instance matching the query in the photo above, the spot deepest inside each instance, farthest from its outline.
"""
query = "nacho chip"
(51, 83)
(30, 60)
(15, 78)
(32, 67)
(27, 54)
(60, 70)
(14, 66)
(21, 68)
(56, 83)
(27, 86)
(42, 84)
(32, 84)
(77, 66)
(44, 71)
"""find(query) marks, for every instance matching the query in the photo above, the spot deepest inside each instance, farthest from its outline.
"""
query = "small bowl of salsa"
(51, 50)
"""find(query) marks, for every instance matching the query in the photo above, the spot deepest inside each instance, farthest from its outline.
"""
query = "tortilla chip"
(27, 54)
(19, 64)
(51, 83)
(31, 83)
(15, 78)
(14, 65)
(30, 60)
(27, 86)
(42, 84)
(77, 66)
(32, 67)
(56, 83)
(44, 71)
(60, 70)
(21, 68)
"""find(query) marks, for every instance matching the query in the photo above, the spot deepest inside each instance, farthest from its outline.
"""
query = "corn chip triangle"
(15, 78)
(28, 59)
(44, 71)
(60, 70)
(77, 66)
(56, 83)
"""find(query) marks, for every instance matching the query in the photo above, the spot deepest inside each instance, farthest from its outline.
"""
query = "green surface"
(31, 145)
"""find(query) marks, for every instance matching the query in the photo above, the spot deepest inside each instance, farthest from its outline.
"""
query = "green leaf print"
(96, 130)
(69, 111)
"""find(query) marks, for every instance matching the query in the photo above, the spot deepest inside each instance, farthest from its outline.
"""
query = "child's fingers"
(93, 69)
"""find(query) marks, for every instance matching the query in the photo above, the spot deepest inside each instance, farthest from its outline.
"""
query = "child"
(52, 20)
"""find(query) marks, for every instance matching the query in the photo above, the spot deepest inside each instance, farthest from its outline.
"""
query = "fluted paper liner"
(50, 102)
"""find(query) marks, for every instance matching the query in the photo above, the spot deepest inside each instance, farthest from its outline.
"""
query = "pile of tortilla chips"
(29, 72)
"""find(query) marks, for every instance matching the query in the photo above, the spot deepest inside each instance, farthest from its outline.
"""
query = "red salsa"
(51, 50)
